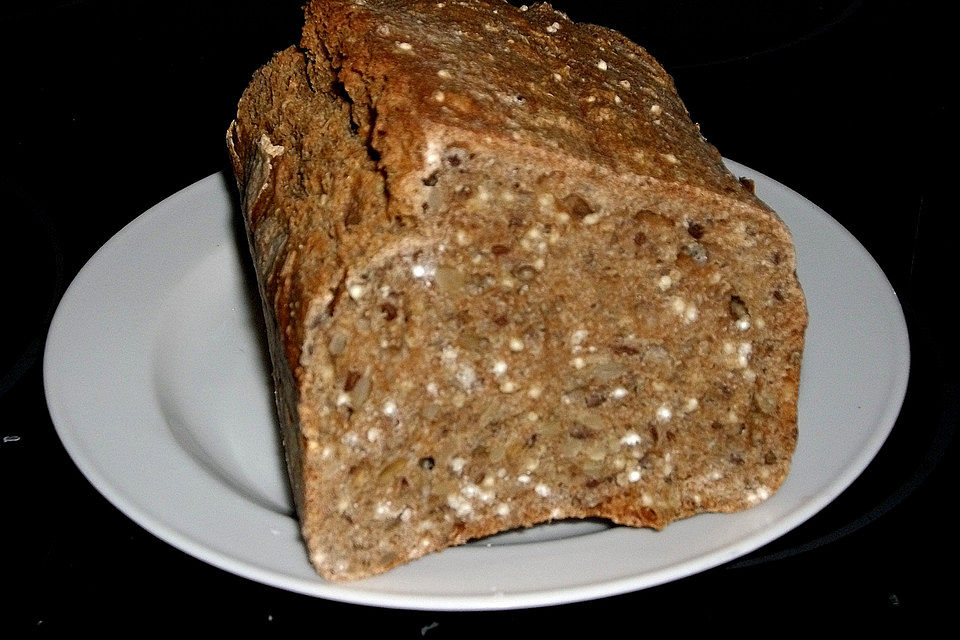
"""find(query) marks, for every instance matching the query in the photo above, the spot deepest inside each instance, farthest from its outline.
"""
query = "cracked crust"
(485, 313)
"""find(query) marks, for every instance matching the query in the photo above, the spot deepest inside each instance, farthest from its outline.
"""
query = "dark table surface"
(112, 106)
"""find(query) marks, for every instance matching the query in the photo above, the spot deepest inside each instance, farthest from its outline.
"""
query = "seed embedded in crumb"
(618, 393)
(602, 65)
(508, 386)
(534, 392)
(389, 408)
(578, 336)
(338, 342)
(516, 344)
(499, 368)
(355, 291)
(664, 413)
(743, 354)
(578, 363)
(542, 490)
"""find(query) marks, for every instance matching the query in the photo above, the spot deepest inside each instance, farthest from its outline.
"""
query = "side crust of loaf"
(479, 321)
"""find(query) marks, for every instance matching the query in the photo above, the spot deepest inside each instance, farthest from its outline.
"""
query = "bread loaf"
(506, 281)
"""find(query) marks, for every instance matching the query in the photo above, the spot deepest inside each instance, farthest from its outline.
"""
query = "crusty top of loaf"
(529, 77)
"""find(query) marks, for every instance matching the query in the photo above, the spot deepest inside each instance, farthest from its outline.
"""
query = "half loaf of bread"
(505, 281)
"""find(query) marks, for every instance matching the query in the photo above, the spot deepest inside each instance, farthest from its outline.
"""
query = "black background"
(109, 107)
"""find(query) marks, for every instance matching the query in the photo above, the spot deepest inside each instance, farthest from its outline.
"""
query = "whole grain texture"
(506, 281)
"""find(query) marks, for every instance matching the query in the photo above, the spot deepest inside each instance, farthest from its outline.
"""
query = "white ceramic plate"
(158, 384)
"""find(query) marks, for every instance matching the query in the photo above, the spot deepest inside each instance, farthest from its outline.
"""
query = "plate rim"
(75, 446)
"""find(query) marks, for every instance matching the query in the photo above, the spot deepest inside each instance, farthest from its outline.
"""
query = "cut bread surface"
(474, 331)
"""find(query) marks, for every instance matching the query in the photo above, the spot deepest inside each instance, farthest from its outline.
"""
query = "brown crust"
(341, 149)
